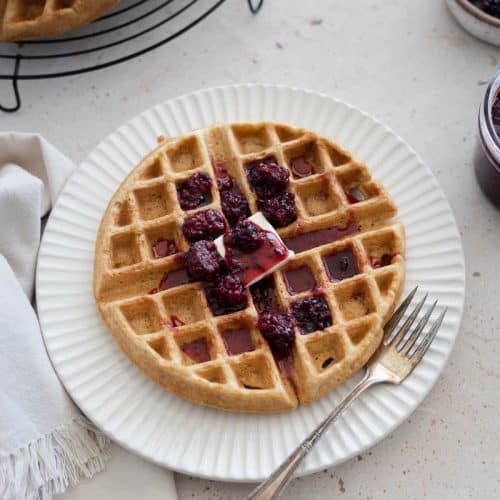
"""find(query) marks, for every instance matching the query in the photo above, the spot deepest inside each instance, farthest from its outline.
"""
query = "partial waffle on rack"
(335, 294)
(33, 19)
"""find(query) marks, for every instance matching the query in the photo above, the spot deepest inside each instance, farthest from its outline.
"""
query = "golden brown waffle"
(142, 319)
(31, 19)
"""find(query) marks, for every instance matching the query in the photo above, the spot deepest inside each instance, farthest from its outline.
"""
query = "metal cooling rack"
(132, 29)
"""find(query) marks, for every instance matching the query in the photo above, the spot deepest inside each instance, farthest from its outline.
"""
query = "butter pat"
(256, 264)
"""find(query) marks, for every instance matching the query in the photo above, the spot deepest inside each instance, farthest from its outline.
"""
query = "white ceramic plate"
(200, 441)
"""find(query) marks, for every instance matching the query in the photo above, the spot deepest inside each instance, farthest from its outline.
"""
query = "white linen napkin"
(46, 444)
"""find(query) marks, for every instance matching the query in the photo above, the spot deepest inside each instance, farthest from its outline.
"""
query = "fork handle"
(271, 488)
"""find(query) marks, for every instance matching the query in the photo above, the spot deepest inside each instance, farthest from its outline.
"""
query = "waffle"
(32, 19)
(159, 330)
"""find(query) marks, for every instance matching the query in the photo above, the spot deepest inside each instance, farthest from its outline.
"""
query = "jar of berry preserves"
(487, 153)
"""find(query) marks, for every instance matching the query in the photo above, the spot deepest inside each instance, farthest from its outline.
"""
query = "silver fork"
(394, 360)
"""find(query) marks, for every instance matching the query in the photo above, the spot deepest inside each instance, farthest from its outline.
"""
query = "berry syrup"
(250, 265)
(306, 241)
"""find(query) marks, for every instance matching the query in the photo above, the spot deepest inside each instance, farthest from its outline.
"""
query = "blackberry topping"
(279, 210)
(312, 314)
(229, 290)
(277, 329)
(202, 261)
(267, 178)
(246, 236)
(234, 205)
(195, 191)
(204, 225)
(226, 294)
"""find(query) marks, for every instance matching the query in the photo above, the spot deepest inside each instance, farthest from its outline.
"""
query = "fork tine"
(406, 345)
(405, 327)
(394, 320)
(427, 340)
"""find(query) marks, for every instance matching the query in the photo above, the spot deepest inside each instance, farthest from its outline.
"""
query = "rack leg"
(255, 8)
(17, 105)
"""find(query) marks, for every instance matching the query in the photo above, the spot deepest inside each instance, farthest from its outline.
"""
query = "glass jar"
(487, 153)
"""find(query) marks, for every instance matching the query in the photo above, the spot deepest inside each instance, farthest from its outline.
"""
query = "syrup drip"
(238, 340)
(197, 350)
(299, 280)
(163, 247)
(264, 296)
(173, 278)
(306, 241)
(341, 265)
(300, 167)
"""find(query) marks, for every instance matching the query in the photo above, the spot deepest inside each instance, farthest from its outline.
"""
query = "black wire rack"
(132, 29)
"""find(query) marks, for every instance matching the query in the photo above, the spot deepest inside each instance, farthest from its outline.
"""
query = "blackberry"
(234, 205)
(204, 225)
(202, 261)
(277, 329)
(267, 178)
(246, 236)
(312, 314)
(195, 191)
(226, 294)
(279, 210)
(228, 289)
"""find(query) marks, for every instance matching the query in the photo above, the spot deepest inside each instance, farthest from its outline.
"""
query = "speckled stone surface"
(410, 65)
